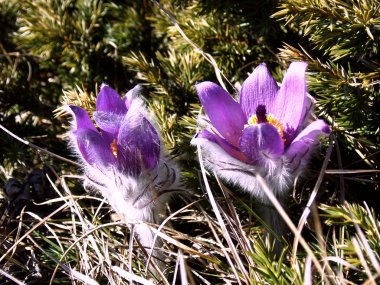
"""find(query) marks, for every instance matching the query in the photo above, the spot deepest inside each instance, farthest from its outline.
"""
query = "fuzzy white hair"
(275, 172)
(135, 198)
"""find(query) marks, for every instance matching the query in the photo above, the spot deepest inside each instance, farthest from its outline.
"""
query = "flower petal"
(131, 94)
(138, 143)
(82, 120)
(259, 88)
(224, 112)
(298, 153)
(93, 147)
(109, 101)
(260, 142)
(226, 146)
(291, 100)
(108, 121)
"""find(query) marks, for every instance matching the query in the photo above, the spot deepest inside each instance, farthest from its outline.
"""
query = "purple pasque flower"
(267, 131)
(125, 139)
(123, 158)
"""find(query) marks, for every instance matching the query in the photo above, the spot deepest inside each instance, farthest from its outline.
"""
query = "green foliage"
(25, 99)
(58, 52)
(275, 270)
(340, 40)
(337, 28)
(71, 39)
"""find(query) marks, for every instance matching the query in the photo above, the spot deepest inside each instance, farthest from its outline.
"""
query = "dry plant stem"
(223, 249)
(175, 270)
(342, 195)
(10, 277)
(236, 233)
(77, 210)
(342, 262)
(199, 277)
(370, 282)
(241, 234)
(321, 241)
(371, 279)
(130, 249)
(350, 171)
(164, 223)
(313, 195)
(234, 223)
(85, 279)
(272, 198)
(336, 242)
(179, 244)
(217, 239)
(37, 147)
(90, 231)
(130, 276)
(220, 219)
(308, 271)
(367, 248)
(182, 268)
(144, 238)
(33, 215)
(341, 251)
(31, 230)
(372, 219)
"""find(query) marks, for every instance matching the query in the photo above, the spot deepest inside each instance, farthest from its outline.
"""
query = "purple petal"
(260, 142)
(291, 99)
(138, 143)
(94, 148)
(298, 153)
(108, 121)
(226, 146)
(259, 88)
(131, 94)
(109, 101)
(224, 112)
(82, 120)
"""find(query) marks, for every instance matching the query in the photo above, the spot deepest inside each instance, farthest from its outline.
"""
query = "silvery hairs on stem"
(124, 159)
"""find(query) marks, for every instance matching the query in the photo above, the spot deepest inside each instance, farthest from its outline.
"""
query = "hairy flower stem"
(145, 237)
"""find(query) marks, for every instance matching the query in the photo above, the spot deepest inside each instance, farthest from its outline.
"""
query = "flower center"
(261, 116)
(113, 146)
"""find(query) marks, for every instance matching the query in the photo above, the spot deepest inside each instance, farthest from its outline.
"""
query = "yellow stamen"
(113, 146)
(252, 120)
(271, 120)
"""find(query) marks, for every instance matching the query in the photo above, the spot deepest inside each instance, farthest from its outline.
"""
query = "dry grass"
(208, 238)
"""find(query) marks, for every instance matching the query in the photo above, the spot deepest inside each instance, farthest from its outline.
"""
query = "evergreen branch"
(331, 25)
(207, 56)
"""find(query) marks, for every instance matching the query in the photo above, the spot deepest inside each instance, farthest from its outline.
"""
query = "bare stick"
(39, 149)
